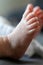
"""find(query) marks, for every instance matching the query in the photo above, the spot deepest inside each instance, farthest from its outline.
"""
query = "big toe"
(28, 10)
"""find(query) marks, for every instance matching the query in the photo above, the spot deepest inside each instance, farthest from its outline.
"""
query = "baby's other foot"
(39, 13)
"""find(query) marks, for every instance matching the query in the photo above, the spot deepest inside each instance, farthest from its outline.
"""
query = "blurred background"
(11, 12)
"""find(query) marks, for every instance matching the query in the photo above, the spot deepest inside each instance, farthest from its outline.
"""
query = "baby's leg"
(30, 50)
(23, 34)
(38, 48)
(34, 47)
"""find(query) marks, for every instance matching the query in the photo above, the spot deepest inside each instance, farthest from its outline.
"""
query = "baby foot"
(23, 34)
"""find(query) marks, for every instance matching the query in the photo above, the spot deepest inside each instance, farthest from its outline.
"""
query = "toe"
(31, 15)
(28, 10)
(37, 10)
(32, 20)
(33, 25)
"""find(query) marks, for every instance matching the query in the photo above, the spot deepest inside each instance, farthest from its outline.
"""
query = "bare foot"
(23, 34)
